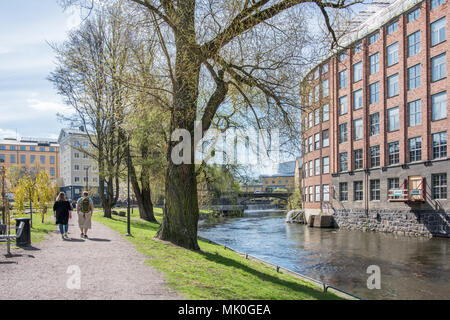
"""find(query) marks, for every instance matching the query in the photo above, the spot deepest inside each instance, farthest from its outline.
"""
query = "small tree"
(44, 193)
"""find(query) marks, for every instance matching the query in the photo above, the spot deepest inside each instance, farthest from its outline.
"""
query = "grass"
(212, 273)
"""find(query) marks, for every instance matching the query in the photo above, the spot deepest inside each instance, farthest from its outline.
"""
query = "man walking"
(85, 209)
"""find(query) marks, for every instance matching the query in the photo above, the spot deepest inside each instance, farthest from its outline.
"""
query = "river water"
(411, 268)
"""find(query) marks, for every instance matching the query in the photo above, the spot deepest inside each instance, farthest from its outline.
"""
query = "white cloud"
(7, 133)
(47, 106)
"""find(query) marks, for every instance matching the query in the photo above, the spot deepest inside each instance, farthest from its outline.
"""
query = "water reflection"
(411, 268)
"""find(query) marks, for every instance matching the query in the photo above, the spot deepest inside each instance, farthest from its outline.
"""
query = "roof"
(30, 142)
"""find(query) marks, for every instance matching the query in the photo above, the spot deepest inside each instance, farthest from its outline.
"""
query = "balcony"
(413, 191)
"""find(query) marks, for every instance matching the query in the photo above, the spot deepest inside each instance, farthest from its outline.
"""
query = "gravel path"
(109, 267)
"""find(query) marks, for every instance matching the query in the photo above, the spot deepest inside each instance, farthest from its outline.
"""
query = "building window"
(310, 142)
(32, 159)
(414, 77)
(311, 168)
(374, 156)
(413, 15)
(392, 27)
(317, 194)
(326, 192)
(358, 159)
(76, 179)
(306, 170)
(325, 138)
(85, 156)
(343, 79)
(42, 159)
(358, 127)
(414, 44)
(343, 105)
(316, 93)
(415, 113)
(374, 123)
(23, 158)
(325, 68)
(374, 90)
(392, 83)
(310, 119)
(357, 48)
(374, 63)
(436, 3)
(374, 38)
(52, 149)
(326, 165)
(439, 106)
(357, 71)
(12, 148)
(317, 141)
(393, 119)
(343, 191)
(76, 155)
(76, 143)
(440, 145)
(317, 167)
(438, 31)
(85, 144)
(76, 167)
(23, 148)
(342, 56)
(439, 185)
(394, 152)
(392, 54)
(343, 161)
(325, 88)
(326, 112)
(2, 157)
(52, 172)
(52, 159)
(438, 67)
(13, 158)
(358, 190)
(415, 149)
(374, 189)
(357, 99)
(42, 149)
(393, 184)
(316, 117)
(342, 132)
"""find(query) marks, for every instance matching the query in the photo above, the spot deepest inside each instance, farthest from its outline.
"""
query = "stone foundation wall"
(401, 222)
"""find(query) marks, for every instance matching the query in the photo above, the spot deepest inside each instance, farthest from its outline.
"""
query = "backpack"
(85, 205)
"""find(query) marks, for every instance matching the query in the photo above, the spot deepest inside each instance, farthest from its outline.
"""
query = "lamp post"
(2, 173)
(128, 197)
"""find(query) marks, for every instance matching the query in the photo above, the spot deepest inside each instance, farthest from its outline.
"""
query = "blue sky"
(28, 102)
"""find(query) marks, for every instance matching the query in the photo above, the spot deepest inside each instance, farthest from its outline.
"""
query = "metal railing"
(324, 286)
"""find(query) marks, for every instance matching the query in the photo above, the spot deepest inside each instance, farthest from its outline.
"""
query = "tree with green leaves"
(255, 49)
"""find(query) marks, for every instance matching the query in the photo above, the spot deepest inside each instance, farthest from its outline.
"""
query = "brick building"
(31, 155)
(376, 121)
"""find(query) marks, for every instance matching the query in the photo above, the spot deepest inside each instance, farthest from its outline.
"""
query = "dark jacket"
(62, 209)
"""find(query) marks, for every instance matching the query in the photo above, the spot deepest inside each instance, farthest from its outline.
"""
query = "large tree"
(253, 49)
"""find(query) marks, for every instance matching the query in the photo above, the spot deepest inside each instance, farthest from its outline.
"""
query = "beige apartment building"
(31, 155)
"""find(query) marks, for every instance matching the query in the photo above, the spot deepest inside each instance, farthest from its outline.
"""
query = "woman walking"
(63, 211)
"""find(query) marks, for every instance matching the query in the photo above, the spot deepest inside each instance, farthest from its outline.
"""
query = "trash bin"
(25, 238)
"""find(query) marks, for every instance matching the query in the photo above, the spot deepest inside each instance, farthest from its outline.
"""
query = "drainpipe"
(366, 198)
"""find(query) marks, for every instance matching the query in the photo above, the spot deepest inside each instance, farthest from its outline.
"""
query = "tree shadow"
(314, 293)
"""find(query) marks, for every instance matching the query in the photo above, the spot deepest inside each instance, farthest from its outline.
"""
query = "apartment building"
(375, 129)
(78, 171)
(31, 155)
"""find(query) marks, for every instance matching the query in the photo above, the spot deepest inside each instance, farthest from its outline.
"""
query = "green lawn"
(212, 273)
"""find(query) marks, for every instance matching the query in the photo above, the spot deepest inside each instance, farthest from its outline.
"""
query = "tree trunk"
(143, 196)
(180, 218)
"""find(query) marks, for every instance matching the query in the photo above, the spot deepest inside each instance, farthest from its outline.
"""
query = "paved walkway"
(109, 268)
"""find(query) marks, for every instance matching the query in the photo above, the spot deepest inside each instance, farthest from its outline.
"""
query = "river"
(411, 268)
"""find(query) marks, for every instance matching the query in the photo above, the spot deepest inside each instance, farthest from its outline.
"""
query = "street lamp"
(2, 173)
(128, 198)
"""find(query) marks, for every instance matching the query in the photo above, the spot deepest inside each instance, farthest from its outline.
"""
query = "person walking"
(62, 211)
(85, 210)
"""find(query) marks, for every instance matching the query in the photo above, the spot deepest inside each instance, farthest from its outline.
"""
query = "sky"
(28, 101)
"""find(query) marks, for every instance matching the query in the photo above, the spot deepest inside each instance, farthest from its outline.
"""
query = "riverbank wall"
(400, 222)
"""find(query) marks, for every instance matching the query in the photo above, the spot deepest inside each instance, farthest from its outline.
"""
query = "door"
(415, 188)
